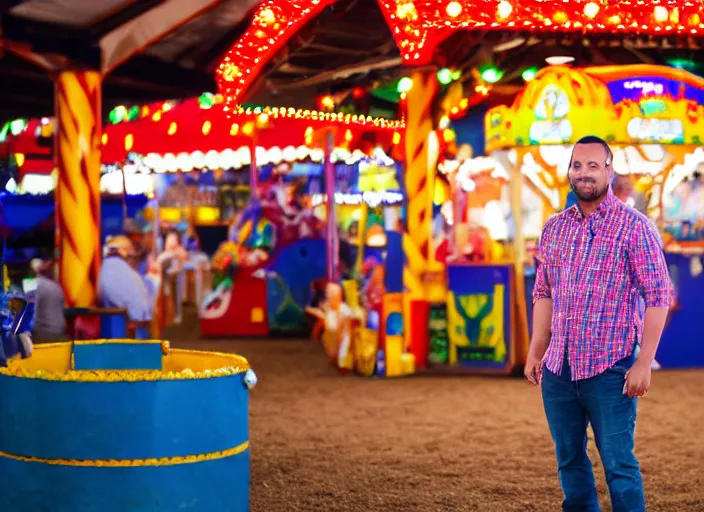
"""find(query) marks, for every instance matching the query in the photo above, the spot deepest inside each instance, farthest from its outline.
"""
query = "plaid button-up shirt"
(598, 270)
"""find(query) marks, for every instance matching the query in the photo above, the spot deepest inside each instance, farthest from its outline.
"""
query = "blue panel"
(221, 485)
(681, 345)
(117, 356)
(26, 211)
(471, 280)
(122, 420)
(299, 264)
(394, 262)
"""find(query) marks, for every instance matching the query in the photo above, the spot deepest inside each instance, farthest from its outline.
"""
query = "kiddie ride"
(119, 425)
(263, 275)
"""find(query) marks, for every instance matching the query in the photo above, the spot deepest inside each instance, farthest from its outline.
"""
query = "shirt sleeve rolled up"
(648, 265)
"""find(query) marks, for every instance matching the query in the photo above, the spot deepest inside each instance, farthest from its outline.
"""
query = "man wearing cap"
(49, 320)
(120, 285)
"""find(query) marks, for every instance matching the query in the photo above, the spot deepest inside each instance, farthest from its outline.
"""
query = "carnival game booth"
(652, 117)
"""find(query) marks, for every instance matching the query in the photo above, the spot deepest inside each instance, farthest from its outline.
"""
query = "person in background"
(171, 262)
(120, 285)
(49, 303)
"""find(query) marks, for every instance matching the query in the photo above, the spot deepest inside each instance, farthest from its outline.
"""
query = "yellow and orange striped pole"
(421, 160)
(77, 149)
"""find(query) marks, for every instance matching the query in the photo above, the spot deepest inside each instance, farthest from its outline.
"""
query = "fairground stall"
(196, 163)
(271, 246)
(471, 296)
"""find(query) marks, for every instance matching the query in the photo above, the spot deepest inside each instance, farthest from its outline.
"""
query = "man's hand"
(638, 379)
(533, 370)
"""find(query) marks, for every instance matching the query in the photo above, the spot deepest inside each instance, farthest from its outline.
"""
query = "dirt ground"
(323, 442)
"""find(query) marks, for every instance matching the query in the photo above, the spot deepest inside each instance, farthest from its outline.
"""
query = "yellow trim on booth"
(134, 463)
(52, 362)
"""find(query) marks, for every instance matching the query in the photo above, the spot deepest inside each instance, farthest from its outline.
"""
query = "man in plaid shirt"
(598, 261)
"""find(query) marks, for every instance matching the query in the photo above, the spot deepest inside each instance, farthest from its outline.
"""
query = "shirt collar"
(606, 205)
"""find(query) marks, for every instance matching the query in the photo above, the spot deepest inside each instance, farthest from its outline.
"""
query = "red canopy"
(186, 127)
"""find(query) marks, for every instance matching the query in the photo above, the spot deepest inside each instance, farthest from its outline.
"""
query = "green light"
(404, 85)
(206, 100)
(4, 132)
(133, 114)
(445, 76)
(491, 75)
(529, 74)
(118, 114)
(17, 126)
(685, 64)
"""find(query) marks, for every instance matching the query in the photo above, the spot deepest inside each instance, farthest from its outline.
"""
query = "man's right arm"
(542, 320)
(542, 304)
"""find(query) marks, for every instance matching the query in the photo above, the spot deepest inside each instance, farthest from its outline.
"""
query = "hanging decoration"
(273, 24)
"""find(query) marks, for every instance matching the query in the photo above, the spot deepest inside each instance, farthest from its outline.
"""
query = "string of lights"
(419, 25)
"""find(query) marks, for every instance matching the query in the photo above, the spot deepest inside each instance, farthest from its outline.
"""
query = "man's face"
(589, 175)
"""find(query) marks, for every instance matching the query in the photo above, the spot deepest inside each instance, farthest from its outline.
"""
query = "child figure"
(337, 321)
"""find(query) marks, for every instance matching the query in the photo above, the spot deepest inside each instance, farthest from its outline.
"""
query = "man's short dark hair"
(593, 139)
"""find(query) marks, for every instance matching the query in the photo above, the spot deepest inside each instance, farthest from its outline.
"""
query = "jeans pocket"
(622, 365)
(619, 369)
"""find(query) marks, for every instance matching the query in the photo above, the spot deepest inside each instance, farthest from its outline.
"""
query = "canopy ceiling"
(152, 50)
(148, 50)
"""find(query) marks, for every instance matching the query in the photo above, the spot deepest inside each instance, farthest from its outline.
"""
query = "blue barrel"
(115, 425)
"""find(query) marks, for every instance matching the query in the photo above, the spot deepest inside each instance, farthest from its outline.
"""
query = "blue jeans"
(570, 407)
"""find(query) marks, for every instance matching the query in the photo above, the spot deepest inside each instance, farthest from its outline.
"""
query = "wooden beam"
(8, 5)
(44, 38)
(133, 37)
(48, 63)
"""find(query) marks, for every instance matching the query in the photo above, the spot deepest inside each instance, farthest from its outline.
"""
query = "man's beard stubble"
(588, 197)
